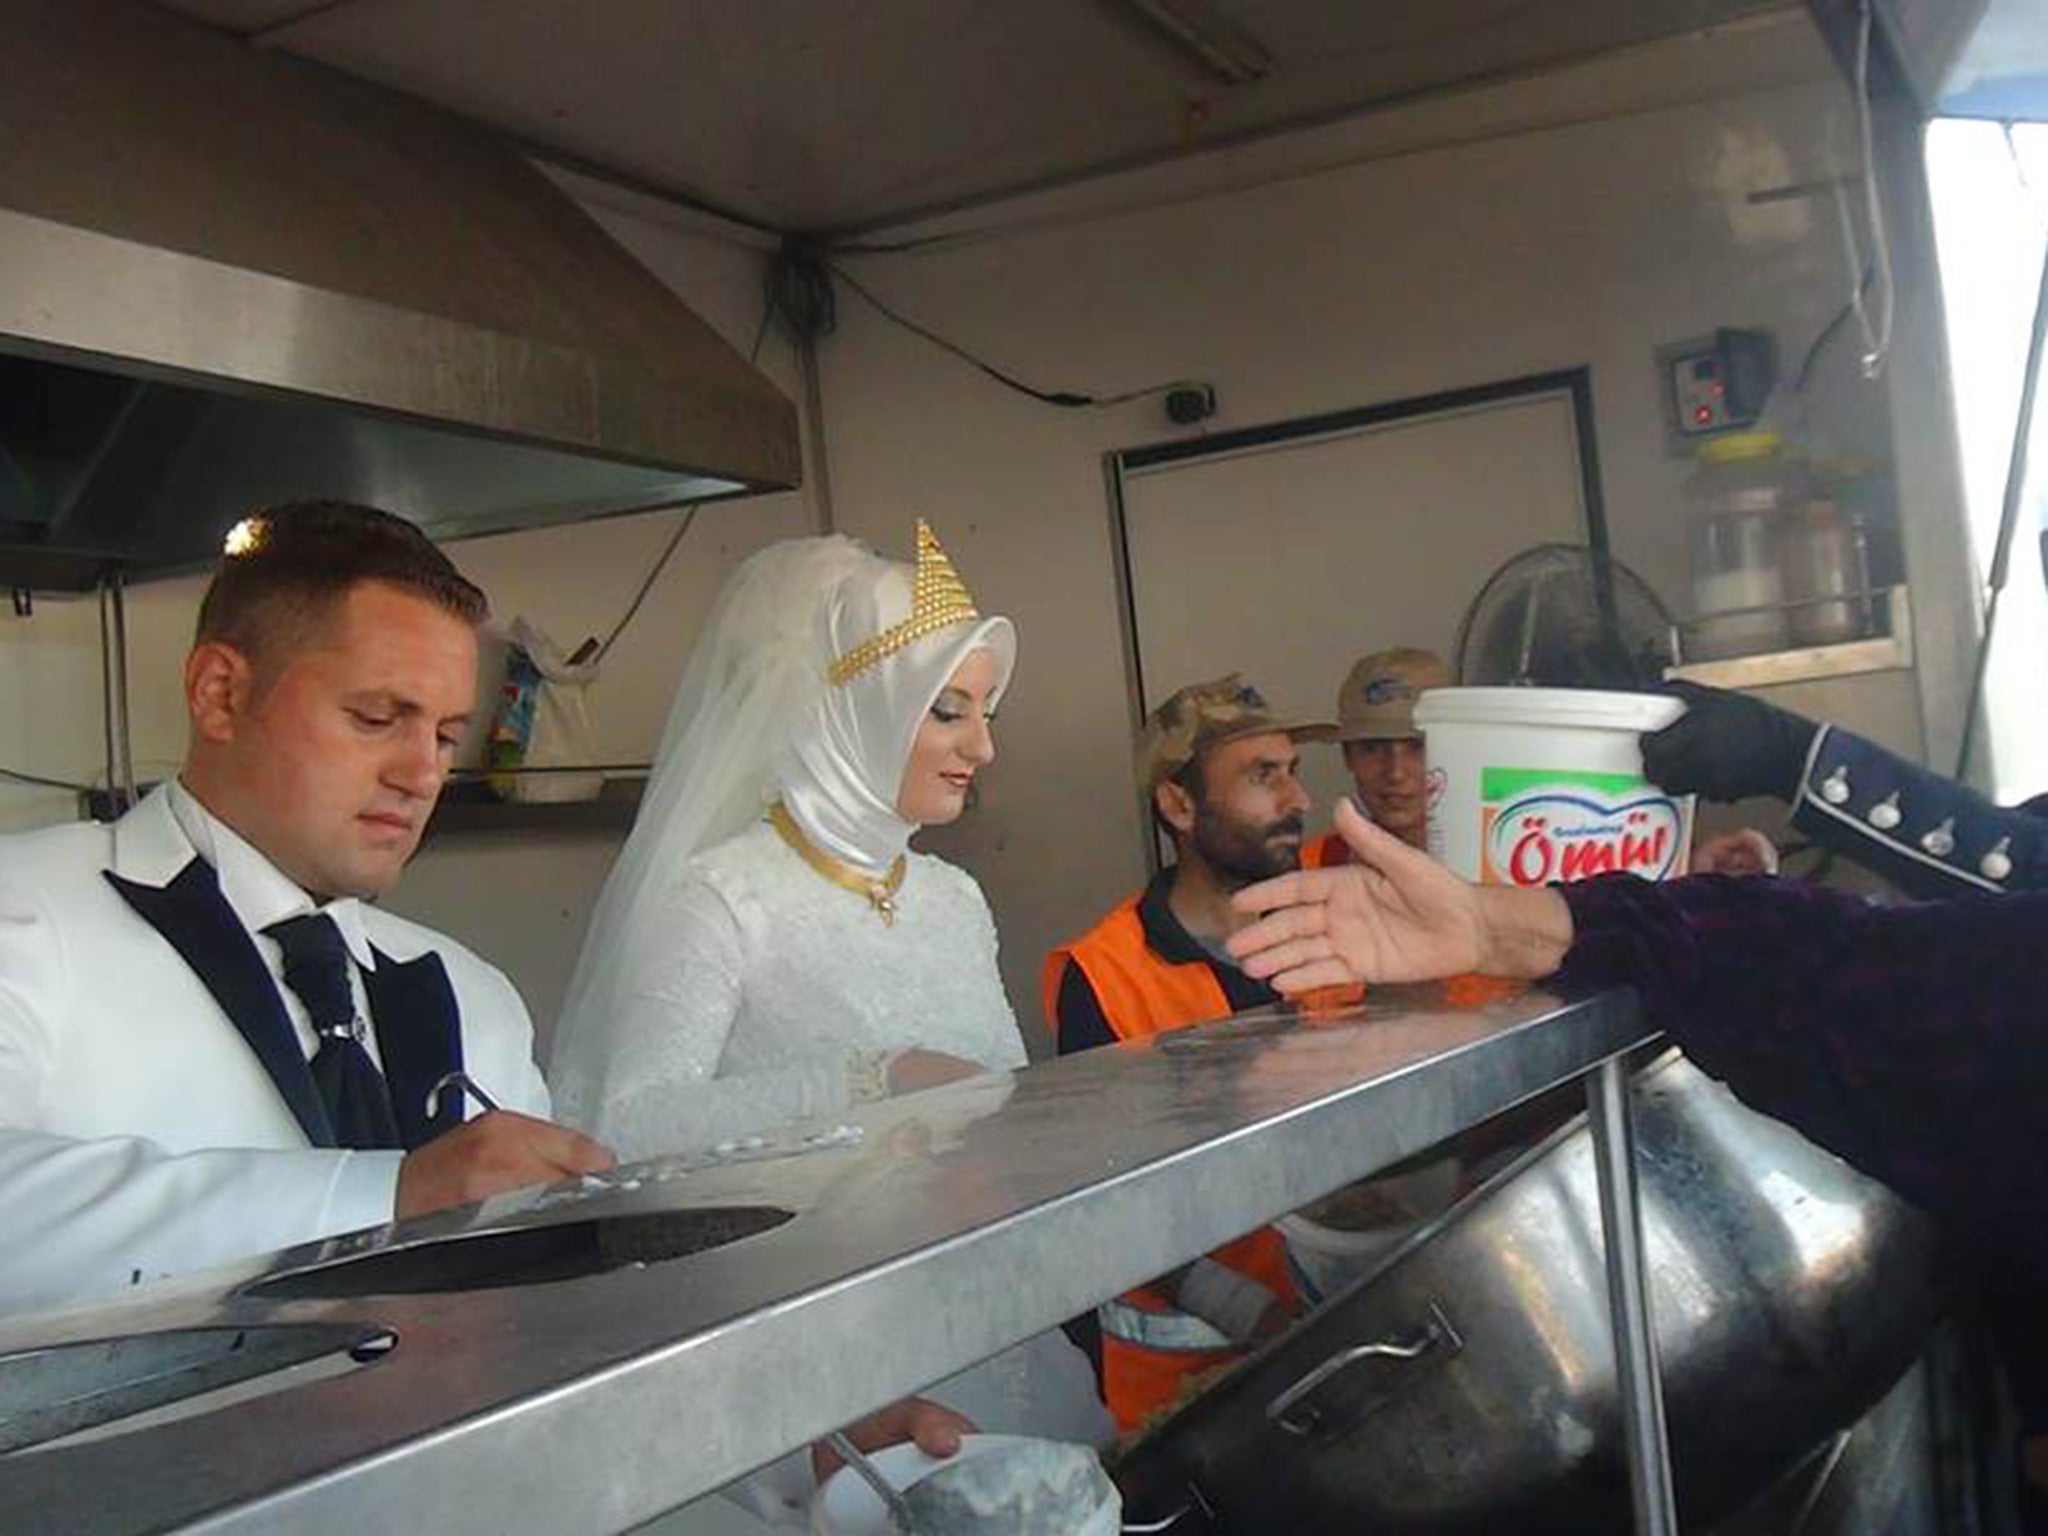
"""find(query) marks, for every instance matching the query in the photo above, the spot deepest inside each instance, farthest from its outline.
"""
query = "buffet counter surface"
(576, 1360)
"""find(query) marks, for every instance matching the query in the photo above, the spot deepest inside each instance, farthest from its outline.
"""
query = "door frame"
(1575, 385)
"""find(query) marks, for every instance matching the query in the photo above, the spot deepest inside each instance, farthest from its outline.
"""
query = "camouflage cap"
(1377, 701)
(1205, 715)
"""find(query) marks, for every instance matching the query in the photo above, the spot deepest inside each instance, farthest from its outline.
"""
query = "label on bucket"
(1539, 825)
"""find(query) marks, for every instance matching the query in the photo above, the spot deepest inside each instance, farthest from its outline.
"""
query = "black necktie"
(316, 968)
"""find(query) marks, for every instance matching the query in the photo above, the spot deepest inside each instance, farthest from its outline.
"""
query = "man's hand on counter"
(1742, 853)
(933, 1427)
(911, 1071)
(489, 1155)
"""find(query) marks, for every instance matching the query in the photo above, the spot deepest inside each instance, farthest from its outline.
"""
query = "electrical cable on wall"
(1065, 398)
(647, 584)
(769, 309)
(1877, 338)
(39, 781)
(800, 289)
(1827, 334)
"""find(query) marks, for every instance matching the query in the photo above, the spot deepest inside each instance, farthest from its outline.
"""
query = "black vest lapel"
(419, 1039)
(196, 920)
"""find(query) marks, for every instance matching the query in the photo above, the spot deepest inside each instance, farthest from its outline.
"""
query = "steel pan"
(1468, 1383)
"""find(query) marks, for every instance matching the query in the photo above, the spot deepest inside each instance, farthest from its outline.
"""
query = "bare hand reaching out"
(1394, 915)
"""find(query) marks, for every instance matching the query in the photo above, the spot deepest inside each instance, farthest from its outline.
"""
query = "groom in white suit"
(211, 1044)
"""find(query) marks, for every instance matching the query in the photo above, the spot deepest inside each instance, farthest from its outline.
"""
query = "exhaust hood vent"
(230, 278)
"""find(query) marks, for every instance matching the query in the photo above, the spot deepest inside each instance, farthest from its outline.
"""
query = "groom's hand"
(489, 1155)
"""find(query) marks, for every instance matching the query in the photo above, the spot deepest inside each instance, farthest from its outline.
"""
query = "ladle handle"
(1437, 1331)
(892, 1499)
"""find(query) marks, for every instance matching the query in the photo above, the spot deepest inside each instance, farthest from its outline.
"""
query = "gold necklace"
(881, 894)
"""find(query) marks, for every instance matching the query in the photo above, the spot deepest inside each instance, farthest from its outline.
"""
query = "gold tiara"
(938, 600)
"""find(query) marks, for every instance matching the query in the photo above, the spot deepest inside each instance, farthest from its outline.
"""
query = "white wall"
(1585, 243)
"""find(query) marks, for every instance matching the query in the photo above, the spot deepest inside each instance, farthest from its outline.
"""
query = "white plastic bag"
(544, 722)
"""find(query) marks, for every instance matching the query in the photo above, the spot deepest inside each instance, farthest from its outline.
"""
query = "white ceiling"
(843, 115)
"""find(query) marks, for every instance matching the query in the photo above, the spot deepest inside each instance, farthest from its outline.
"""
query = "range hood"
(230, 278)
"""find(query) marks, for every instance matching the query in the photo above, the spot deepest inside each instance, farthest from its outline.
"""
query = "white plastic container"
(1546, 784)
(1338, 1239)
(1328, 1259)
(847, 1506)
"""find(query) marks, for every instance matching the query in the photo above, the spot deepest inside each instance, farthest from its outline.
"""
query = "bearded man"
(1222, 771)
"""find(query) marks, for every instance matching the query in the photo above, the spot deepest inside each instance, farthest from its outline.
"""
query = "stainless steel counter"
(928, 1232)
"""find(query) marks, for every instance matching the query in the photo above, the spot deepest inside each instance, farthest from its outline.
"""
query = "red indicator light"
(1702, 415)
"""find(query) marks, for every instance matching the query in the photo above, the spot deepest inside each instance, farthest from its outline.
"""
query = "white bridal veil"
(755, 719)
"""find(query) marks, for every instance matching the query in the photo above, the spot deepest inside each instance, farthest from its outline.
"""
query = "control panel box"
(1714, 384)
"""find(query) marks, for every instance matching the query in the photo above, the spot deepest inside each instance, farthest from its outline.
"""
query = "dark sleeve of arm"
(1947, 840)
(1080, 1024)
(1908, 1040)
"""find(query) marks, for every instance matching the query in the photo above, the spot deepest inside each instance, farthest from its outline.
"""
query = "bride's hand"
(908, 1071)
(932, 1427)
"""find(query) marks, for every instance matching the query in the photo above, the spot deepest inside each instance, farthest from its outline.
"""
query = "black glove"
(1728, 746)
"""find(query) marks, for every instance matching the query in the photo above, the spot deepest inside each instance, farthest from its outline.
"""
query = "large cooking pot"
(1468, 1383)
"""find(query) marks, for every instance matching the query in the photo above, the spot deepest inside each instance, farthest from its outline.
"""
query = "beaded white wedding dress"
(776, 995)
(727, 987)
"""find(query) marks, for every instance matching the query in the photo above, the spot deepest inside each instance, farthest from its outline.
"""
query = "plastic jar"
(1825, 558)
(1739, 499)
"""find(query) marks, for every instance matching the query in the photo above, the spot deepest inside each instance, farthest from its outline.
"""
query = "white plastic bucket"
(1546, 784)
(847, 1506)
(1329, 1245)
(1325, 1259)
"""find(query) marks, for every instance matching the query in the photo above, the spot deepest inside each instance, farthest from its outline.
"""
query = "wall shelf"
(1880, 653)
(471, 805)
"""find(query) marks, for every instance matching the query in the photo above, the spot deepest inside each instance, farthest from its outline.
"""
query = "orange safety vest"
(1150, 1348)
(1326, 852)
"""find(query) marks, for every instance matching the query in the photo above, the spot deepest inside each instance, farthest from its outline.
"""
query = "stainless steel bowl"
(1468, 1384)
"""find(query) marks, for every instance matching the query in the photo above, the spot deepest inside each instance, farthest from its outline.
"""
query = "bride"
(769, 946)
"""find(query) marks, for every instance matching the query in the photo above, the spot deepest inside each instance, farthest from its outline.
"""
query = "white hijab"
(756, 719)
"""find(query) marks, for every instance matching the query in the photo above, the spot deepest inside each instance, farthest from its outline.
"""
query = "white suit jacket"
(156, 1112)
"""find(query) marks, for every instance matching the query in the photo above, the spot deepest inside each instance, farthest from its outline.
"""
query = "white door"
(1288, 560)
